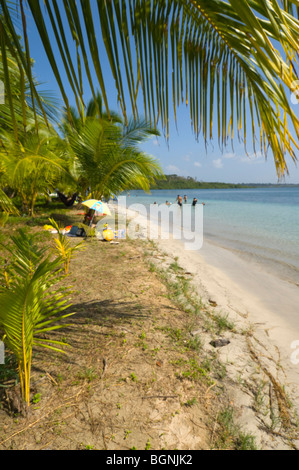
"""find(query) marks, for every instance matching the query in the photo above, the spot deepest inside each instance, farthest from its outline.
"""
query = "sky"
(182, 154)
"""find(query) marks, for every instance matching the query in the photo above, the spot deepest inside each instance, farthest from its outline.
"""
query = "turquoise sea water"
(261, 224)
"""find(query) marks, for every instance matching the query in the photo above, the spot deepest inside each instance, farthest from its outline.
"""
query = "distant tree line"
(181, 182)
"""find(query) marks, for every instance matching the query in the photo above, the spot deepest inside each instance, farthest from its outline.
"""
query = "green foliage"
(230, 434)
(133, 377)
(63, 246)
(223, 323)
(37, 398)
(192, 370)
(106, 157)
(87, 374)
(4, 216)
(148, 445)
(6, 203)
(29, 161)
(31, 304)
(191, 402)
(180, 182)
(233, 63)
(33, 164)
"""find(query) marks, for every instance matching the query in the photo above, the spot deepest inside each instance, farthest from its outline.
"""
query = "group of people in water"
(180, 200)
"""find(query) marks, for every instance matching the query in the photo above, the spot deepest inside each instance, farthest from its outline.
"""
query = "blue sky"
(182, 154)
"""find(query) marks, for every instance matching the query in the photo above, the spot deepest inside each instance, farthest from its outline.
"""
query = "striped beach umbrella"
(98, 206)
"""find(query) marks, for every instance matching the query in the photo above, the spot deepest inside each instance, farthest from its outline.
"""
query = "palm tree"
(107, 159)
(31, 304)
(28, 163)
(33, 164)
(232, 61)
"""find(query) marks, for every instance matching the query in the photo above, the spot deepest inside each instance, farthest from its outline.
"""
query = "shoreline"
(253, 225)
(278, 265)
(234, 271)
(243, 288)
(256, 301)
(242, 284)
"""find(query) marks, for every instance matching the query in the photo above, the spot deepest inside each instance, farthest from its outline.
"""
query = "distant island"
(181, 182)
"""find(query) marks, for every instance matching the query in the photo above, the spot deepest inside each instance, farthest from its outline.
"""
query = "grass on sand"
(135, 376)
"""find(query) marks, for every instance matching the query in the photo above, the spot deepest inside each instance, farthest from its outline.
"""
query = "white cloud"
(229, 155)
(218, 163)
(253, 158)
(186, 158)
(257, 155)
(198, 164)
(173, 169)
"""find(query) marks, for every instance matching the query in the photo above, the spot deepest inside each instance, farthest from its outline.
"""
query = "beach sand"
(142, 372)
(246, 291)
(264, 309)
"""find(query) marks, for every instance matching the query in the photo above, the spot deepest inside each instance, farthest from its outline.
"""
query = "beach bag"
(73, 231)
(81, 232)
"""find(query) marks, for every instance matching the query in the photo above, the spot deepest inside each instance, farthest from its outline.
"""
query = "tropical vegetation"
(98, 155)
(105, 155)
(31, 152)
(232, 61)
(32, 165)
(182, 182)
(31, 304)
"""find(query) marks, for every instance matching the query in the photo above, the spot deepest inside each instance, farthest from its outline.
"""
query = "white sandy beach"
(242, 288)
(254, 299)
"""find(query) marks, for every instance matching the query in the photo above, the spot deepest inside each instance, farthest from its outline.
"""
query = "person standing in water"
(194, 202)
(180, 201)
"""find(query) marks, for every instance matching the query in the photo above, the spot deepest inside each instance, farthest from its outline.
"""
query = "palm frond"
(233, 62)
(6, 204)
(35, 163)
(108, 158)
(30, 305)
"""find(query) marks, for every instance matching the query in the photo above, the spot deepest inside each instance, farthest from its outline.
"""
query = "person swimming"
(194, 202)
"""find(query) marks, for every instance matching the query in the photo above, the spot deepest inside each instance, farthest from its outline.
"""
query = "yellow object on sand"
(108, 235)
(48, 227)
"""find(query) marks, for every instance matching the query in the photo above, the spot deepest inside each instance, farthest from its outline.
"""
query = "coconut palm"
(233, 61)
(31, 304)
(33, 165)
(107, 159)
(106, 156)
(72, 128)
(27, 166)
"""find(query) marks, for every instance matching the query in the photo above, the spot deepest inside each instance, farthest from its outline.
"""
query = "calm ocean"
(260, 224)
